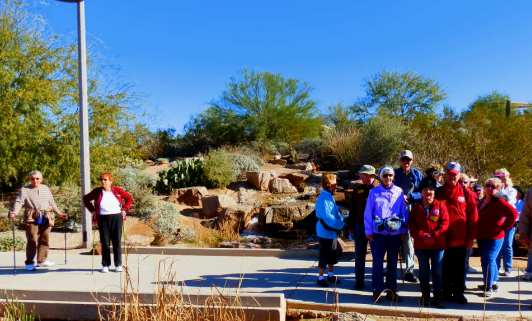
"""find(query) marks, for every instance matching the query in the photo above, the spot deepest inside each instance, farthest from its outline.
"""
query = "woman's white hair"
(35, 173)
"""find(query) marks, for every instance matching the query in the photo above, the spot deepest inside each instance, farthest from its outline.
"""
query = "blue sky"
(179, 55)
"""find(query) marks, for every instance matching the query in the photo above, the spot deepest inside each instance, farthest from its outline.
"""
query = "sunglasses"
(489, 186)
(405, 159)
(35, 178)
(387, 175)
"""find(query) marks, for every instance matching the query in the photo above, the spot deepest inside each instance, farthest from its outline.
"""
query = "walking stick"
(14, 249)
(401, 248)
(92, 251)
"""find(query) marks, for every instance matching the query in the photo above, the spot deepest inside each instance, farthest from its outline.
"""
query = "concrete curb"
(299, 254)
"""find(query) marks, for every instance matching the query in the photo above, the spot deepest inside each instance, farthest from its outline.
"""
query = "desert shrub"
(165, 223)
(242, 164)
(382, 139)
(68, 199)
(140, 185)
(5, 224)
(6, 242)
(184, 173)
(310, 146)
(345, 144)
(218, 168)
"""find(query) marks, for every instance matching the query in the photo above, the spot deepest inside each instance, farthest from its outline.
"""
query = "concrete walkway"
(295, 277)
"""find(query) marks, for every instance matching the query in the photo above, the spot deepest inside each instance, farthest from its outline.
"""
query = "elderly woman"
(496, 215)
(385, 223)
(330, 224)
(428, 225)
(39, 207)
(510, 194)
(109, 205)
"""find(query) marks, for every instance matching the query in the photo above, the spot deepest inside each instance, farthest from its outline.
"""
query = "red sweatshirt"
(433, 220)
(93, 199)
(495, 218)
(463, 215)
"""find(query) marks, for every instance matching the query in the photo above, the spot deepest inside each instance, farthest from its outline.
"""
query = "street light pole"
(83, 123)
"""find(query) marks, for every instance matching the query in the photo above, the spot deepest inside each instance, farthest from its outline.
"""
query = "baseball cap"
(428, 182)
(367, 169)
(453, 168)
(386, 170)
(477, 187)
(406, 153)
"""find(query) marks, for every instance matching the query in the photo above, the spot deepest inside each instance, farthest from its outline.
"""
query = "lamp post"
(83, 122)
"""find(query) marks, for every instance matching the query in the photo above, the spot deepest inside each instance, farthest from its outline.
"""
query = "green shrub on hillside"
(219, 168)
(166, 223)
(67, 198)
(242, 164)
(184, 173)
(6, 242)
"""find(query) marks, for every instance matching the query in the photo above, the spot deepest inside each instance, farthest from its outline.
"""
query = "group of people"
(435, 216)
(107, 203)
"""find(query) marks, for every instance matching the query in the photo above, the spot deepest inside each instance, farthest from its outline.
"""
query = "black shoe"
(410, 277)
(323, 283)
(359, 285)
(333, 279)
(460, 298)
(436, 303)
(392, 296)
(495, 287)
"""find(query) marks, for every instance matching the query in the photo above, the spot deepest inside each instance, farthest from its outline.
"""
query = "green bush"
(166, 223)
(383, 137)
(6, 242)
(219, 168)
(67, 198)
(242, 164)
(184, 173)
(345, 144)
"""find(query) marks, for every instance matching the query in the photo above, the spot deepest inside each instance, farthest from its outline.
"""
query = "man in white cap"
(357, 197)
(408, 178)
(463, 217)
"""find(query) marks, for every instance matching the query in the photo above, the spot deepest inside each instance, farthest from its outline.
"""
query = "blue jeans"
(489, 250)
(529, 263)
(507, 251)
(361, 247)
(381, 245)
(430, 263)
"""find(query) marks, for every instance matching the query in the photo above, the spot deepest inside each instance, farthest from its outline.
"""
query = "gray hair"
(35, 173)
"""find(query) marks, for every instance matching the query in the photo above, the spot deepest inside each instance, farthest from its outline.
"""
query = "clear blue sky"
(179, 55)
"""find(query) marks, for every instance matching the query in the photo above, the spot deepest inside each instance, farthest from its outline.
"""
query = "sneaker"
(507, 273)
(119, 268)
(495, 287)
(410, 277)
(46, 263)
(489, 294)
(322, 282)
(30, 267)
(105, 269)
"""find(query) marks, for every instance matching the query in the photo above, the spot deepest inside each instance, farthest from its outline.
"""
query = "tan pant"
(37, 237)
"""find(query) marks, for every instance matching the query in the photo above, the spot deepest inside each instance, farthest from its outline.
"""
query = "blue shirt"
(384, 203)
(327, 211)
(409, 183)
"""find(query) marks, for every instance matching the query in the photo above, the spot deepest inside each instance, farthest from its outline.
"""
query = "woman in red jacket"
(108, 205)
(428, 225)
(496, 215)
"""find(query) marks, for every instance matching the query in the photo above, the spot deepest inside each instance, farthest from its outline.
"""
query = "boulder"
(308, 166)
(284, 216)
(190, 196)
(260, 180)
(212, 204)
(249, 197)
(282, 185)
(280, 161)
(236, 218)
(297, 179)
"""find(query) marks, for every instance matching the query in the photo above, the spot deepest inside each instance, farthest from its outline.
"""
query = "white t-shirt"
(109, 204)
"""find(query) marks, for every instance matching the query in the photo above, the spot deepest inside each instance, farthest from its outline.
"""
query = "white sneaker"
(119, 268)
(30, 267)
(46, 263)
(105, 269)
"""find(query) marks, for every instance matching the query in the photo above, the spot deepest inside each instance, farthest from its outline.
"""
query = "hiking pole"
(14, 249)
(64, 232)
(401, 248)
(92, 251)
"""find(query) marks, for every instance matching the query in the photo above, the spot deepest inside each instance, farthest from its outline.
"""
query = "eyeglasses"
(405, 159)
(35, 178)
(387, 175)
(490, 186)
(464, 182)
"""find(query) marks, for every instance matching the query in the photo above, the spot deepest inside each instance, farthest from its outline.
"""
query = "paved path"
(293, 277)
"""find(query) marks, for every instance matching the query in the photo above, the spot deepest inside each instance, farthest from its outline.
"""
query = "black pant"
(328, 253)
(454, 270)
(110, 227)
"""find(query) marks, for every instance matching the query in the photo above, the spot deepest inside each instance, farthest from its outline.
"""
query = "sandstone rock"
(302, 166)
(190, 195)
(228, 244)
(249, 197)
(211, 204)
(236, 218)
(282, 185)
(260, 180)
(297, 179)
(280, 161)
(285, 215)
(277, 156)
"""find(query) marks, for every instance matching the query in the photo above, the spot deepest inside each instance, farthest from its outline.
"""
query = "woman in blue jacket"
(330, 224)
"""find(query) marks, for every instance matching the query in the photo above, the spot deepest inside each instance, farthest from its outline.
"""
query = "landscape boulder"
(249, 197)
(190, 196)
(282, 185)
(302, 166)
(297, 179)
(283, 217)
(211, 204)
(261, 179)
(280, 161)
(235, 218)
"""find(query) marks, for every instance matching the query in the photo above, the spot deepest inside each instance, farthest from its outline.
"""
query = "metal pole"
(83, 124)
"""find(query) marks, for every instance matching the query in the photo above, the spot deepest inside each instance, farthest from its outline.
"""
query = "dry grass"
(15, 311)
(207, 237)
